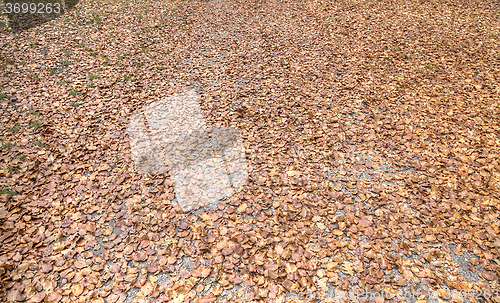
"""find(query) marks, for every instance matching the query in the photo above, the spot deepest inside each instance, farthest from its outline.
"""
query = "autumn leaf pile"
(371, 129)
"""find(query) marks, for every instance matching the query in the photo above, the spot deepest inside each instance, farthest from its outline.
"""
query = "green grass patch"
(34, 112)
(8, 144)
(14, 128)
(95, 18)
(20, 156)
(8, 61)
(9, 191)
(13, 169)
(35, 123)
(74, 91)
(37, 142)
(91, 52)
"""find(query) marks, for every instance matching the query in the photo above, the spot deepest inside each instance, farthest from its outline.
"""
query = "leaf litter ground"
(371, 133)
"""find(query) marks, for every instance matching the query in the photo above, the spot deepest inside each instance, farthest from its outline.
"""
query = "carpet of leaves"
(372, 133)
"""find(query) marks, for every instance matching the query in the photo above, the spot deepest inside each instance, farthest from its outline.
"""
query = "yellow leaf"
(77, 290)
(353, 297)
(315, 248)
(290, 268)
(348, 268)
(205, 217)
(242, 207)
(147, 289)
(332, 266)
(205, 272)
(322, 283)
(337, 232)
(178, 299)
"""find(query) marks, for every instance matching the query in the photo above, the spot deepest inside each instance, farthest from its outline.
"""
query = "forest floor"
(371, 132)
